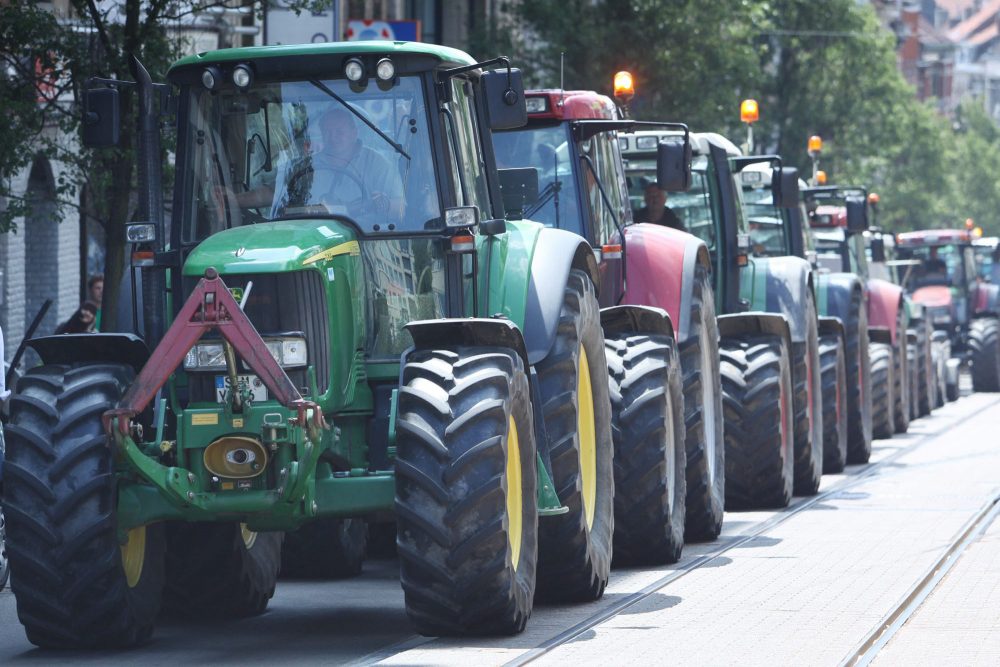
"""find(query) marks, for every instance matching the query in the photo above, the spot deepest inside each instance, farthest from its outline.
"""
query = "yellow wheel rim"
(134, 555)
(249, 536)
(588, 438)
(515, 501)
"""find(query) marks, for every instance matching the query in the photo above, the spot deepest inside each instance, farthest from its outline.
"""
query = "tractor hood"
(933, 296)
(271, 247)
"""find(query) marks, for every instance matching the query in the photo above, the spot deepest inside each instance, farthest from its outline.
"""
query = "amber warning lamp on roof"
(815, 144)
(820, 177)
(624, 87)
(873, 199)
(969, 223)
(749, 111)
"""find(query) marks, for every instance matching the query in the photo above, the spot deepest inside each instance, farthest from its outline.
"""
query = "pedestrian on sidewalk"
(82, 321)
(95, 294)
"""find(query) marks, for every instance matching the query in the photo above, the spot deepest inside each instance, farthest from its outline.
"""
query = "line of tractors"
(398, 292)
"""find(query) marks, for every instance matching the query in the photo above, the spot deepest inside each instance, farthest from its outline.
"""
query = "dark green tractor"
(337, 324)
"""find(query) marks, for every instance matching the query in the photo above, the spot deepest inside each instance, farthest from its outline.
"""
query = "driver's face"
(339, 137)
(655, 198)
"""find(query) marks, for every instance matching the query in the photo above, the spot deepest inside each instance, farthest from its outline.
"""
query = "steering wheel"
(336, 176)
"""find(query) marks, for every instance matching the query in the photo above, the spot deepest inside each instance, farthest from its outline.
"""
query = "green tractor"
(337, 324)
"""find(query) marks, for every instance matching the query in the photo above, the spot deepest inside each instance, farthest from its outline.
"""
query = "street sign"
(284, 26)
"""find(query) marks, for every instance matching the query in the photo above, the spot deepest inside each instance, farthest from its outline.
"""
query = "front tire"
(647, 409)
(757, 398)
(466, 505)
(808, 405)
(574, 549)
(834, 376)
(984, 343)
(859, 382)
(76, 585)
(901, 377)
(220, 570)
(925, 368)
(704, 441)
(883, 388)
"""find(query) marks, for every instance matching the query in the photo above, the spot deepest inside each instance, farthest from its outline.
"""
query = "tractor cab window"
(467, 163)
(547, 149)
(293, 149)
(405, 281)
(692, 207)
(764, 219)
(939, 265)
(598, 165)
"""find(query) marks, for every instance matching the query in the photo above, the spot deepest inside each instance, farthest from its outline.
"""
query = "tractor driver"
(341, 175)
(656, 210)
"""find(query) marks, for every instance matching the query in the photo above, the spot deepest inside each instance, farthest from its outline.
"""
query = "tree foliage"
(826, 68)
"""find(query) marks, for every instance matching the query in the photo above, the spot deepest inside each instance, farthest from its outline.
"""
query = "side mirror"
(857, 215)
(101, 121)
(505, 99)
(796, 236)
(673, 165)
(878, 249)
(785, 187)
(519, 188)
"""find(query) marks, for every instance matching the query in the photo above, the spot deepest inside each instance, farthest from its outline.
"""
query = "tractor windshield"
(547, 149)
(939, 265)
(309, 148)
(693, 207)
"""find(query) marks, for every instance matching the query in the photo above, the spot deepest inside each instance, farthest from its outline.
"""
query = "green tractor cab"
(338, 324)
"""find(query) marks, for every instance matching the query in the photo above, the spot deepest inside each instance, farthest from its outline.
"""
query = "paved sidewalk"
(959, 623)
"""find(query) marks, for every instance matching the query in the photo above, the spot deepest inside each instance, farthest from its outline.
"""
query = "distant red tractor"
(958, 301)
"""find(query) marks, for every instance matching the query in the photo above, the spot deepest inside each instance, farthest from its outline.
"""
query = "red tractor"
(571, 141)
(960, 304)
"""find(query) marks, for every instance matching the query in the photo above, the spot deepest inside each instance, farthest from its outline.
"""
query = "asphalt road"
(800, 586)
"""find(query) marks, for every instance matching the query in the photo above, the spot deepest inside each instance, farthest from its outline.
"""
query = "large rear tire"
(325, 549)
(984, 343)
(466, 504)
(807, 400)
(883, 388)
(704, 441)
(757, 399)
(647, 409)
(76, 585)
(220, 570)
(859, 381)
(574, 549)
(834, 374)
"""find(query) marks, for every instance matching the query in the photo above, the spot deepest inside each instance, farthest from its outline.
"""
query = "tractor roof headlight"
(211, 78)
(354, 70)
(242, 76)
(385, 70)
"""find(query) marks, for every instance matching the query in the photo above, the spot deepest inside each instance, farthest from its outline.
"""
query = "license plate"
(258, 392)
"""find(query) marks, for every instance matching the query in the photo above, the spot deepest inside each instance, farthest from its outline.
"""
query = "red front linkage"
(210, 306)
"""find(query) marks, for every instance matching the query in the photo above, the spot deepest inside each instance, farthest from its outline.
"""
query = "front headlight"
(205, 357)
(288, 351)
